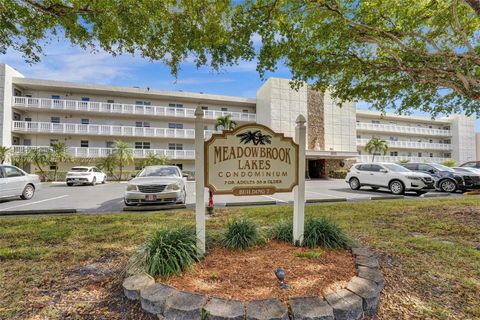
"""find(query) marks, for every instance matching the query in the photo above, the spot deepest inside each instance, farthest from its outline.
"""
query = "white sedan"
(85, 175)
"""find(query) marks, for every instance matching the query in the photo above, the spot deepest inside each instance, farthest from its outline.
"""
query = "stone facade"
(316, 128)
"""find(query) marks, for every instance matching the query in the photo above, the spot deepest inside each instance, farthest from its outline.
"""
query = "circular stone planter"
(358, 299)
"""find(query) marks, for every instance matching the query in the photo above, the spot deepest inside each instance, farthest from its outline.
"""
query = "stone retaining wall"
(360, 298)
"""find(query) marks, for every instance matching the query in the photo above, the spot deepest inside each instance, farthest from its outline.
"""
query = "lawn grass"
(57, 267)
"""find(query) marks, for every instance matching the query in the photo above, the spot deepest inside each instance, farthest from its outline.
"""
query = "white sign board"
(251, 160)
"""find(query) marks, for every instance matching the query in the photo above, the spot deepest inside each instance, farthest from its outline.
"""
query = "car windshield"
(158, 172)
(79, 169)
(395, 167)
(441, 167)
(462, 170)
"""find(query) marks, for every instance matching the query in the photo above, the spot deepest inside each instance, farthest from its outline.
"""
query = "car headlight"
(132, 187)
(413, 178)
(173, 186)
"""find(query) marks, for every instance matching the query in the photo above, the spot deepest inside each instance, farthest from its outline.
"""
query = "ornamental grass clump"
(170, 251)
(241, 234)
(325, 233)
(282, 231)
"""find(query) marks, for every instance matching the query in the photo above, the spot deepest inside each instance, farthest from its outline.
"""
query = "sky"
(64, 62)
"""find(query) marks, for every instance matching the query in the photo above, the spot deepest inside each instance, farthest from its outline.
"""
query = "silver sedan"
(14, 182)
(156, 185)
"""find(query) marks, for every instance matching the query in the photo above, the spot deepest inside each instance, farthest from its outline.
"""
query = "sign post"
(299, 191)
(199, 181)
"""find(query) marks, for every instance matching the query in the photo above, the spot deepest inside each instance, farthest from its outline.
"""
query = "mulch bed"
(249, 275)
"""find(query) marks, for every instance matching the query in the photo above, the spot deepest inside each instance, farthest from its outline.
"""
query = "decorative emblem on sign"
(251, 160)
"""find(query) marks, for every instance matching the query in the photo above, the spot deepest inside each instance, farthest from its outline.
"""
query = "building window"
(85, 99)
(17, 92)
(16, 116)
(143, 103)
(110, 101)
(431, 141)
(27, 142)
(84, 143)
(53, 167)
(376, 121)
(431, 155)
(142, 124)
(175, 146)
(245, 111)
(85, 121)
(224, 109)
(204, 108)
(175, 125)
(447, 155)
(175, 105)
(110, 144)
(419, 154)
(179, 165)
(394, 153)
(142, 145)
(28, 119)
(52, 141)
(205, 127)
(56, 97)
(55, 119)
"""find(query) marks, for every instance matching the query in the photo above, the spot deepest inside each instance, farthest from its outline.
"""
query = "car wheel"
(28, 192)
(354, 184)
(448, 185)
(396, 187)
(94, 181)
(104, 180)
(69, 184)
(184, 198)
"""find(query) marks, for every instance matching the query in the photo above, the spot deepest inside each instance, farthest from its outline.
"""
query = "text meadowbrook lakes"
(246, 157)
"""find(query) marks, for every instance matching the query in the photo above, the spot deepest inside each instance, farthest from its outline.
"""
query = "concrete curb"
(358, 299)
(251, 203)
(472, 193)
(155, 208)
(436, 195)
(36, 212)
(386, 197)
(326, 200)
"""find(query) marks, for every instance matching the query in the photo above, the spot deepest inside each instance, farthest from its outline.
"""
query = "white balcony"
(104, 130)
(393, 128)
(378, 158)
(120, 108)
(410, 145)
(78, 152)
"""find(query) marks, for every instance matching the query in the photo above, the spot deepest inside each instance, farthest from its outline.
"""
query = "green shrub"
(315, 254)
(325, 233)
(338, 174)
(241, 234)
(282, 231)
(449, 163)
(170, 251)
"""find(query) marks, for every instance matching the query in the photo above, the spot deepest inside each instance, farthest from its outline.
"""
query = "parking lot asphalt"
(108, 197)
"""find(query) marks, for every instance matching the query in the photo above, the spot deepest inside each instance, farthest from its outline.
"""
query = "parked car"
(447, 179)
(471, 164)
(389, 176)
(14, 182)
(157, 185)
(467, 169)
(85, 175)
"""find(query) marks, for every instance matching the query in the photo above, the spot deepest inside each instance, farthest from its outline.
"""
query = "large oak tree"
(401, 54)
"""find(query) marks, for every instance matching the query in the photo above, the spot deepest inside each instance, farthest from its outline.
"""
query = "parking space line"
(276, 199)
(30, 203)
(326, 194)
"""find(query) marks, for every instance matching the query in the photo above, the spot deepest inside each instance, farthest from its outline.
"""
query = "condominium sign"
(250, 160)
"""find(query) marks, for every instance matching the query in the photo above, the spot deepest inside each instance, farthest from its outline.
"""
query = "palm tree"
(57, 154)
(21, 160)
(39, 158)
(376, 145)
(108, 164)
(3, 154)
(256, 137)
(124, 155)
(153, 159)
(225, 123)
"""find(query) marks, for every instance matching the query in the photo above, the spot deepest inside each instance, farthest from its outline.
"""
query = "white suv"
(85, 175)
(389, 176)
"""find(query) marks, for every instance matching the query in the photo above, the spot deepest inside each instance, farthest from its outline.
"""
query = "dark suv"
(447, 179)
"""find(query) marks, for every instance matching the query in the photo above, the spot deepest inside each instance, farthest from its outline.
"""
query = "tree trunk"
(475, 5)
(373, 157)
(55, 173)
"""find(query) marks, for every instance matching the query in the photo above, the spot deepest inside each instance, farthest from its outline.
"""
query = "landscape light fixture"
(280, 274)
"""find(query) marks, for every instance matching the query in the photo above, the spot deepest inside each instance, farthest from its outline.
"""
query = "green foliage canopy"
(405, 55)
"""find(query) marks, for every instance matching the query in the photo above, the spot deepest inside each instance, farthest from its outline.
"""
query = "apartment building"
(89, 118)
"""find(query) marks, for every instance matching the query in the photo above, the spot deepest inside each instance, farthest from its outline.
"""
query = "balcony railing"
(368, 158)
(121, 108)
(78, 152)
(104, 130)
(410, 145)
(402, 129)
